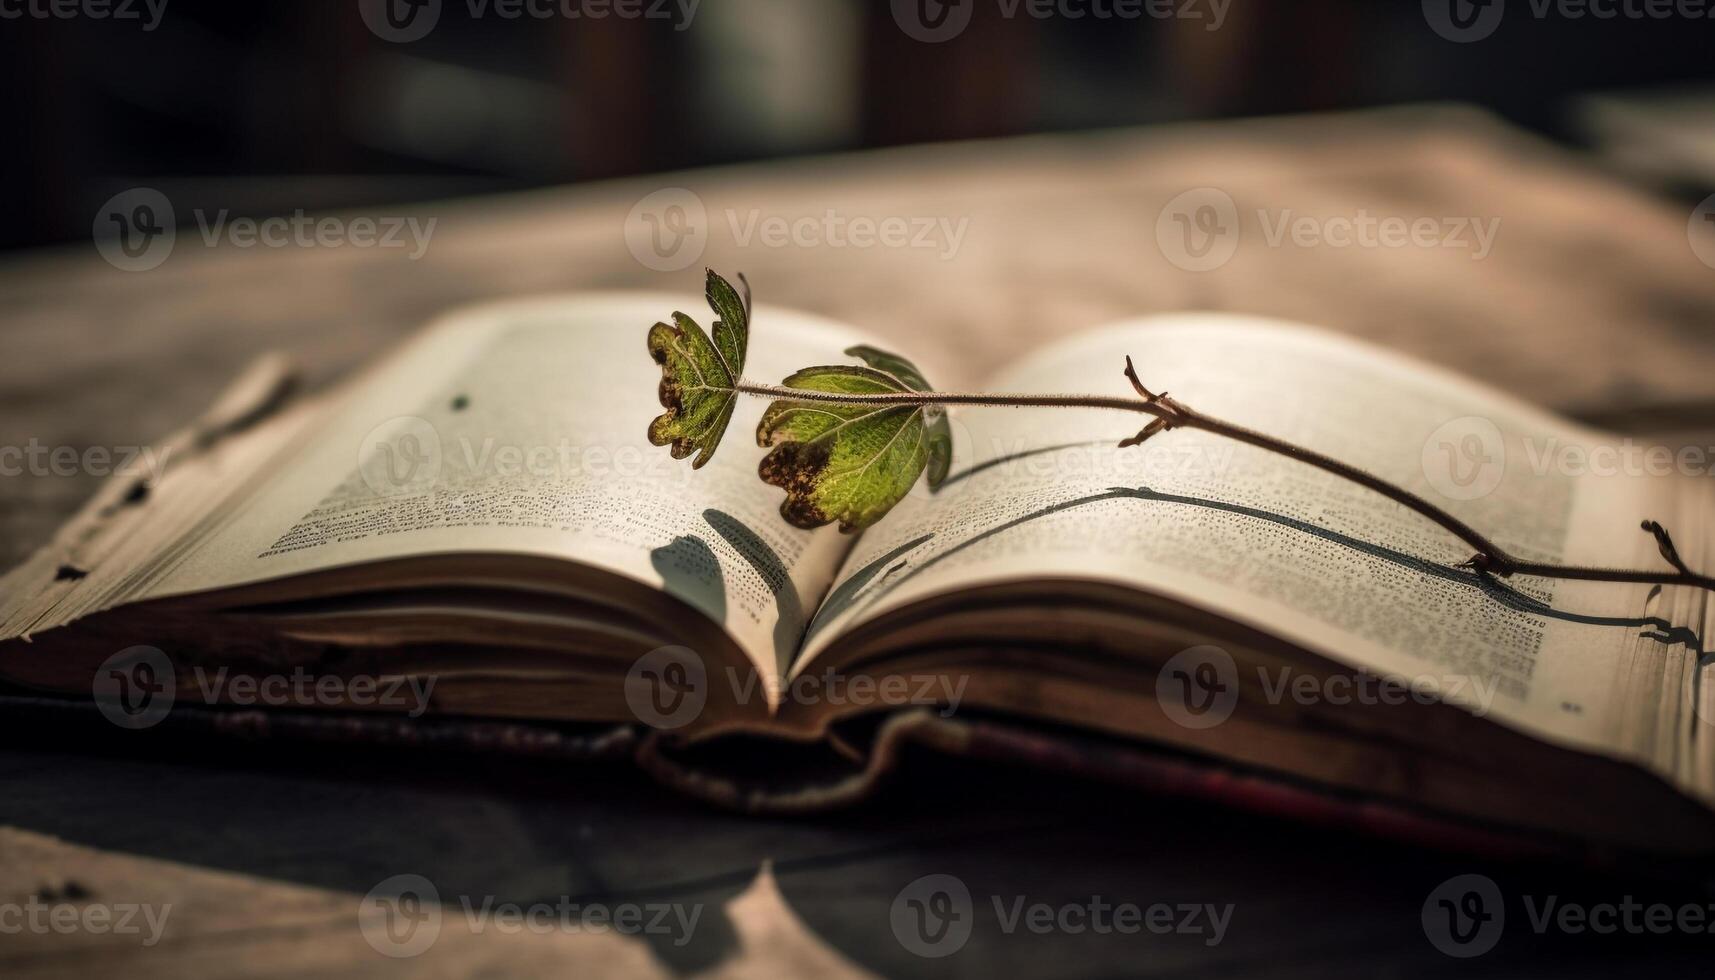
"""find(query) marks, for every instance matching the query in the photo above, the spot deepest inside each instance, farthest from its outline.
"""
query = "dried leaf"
(698, 376)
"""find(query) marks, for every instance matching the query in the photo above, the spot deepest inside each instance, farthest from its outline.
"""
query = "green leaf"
(852, 463)
(939, 431)
(699, 376)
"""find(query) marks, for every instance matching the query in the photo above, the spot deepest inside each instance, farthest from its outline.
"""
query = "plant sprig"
(847, 442)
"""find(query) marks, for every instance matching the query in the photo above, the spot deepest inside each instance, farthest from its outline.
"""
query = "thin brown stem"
(1169, 413)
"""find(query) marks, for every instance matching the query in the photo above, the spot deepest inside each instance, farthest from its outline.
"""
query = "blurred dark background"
(265, 106)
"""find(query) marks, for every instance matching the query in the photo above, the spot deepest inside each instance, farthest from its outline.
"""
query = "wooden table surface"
(1591, 301)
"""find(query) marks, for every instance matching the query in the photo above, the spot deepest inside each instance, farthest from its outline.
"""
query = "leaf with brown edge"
(852, 463)
(699, 376)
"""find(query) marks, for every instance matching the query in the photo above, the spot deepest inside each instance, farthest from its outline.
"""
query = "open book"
(483, 515)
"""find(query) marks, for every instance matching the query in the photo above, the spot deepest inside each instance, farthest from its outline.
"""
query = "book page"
(1251, 536)
(521, 428)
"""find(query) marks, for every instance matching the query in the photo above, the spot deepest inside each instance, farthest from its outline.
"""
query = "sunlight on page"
(1259, 539)
(521, 428)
